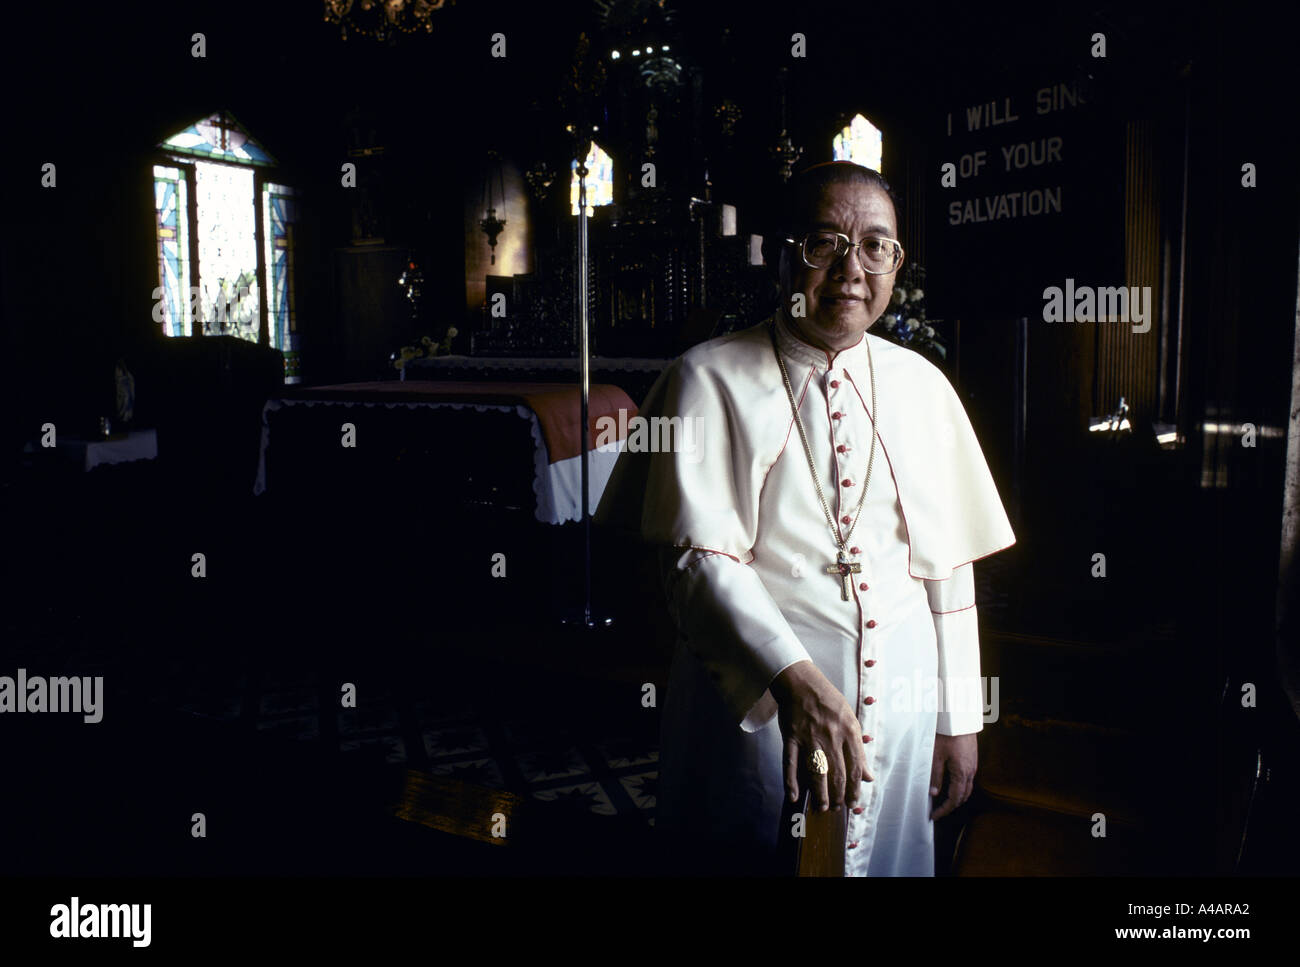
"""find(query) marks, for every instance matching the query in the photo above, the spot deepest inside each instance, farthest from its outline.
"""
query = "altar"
(635, 375)
(512, 445)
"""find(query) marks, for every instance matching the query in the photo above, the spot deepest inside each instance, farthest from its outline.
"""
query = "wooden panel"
(1128, 362)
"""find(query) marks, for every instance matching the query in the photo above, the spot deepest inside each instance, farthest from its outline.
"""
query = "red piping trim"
(957, 567)
(901, 508)
(981, 557)
(957, 611)
(709, 551)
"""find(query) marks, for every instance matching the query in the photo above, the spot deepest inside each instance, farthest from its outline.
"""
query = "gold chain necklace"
(843, 567)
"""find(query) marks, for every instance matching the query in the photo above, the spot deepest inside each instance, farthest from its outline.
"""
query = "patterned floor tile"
(376, 717)
(390, 747)
(643, 788)
(477, 772)
(622, 752)
(457, 740)
(284, 703)
(587, 797)
(557, 763)
(305, 728)
(439, 712)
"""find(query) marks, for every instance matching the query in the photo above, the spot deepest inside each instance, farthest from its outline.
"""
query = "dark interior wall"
(436, 104)
(114, 90)
(1240, 305)
(78, 267)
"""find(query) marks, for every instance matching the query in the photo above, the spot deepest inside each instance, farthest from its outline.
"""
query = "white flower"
(913, 324)
(891, 320)
(453, 332)
(900, 296)
(917, 295)
(928, 331)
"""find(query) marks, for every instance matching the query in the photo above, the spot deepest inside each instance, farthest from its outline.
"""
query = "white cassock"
(745, 546)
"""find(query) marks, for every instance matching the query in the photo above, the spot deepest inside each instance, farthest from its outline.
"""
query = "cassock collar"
(795, 348)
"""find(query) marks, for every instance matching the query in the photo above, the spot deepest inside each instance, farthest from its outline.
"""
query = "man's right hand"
(814, 715)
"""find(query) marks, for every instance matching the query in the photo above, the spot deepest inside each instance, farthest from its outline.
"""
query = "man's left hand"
(955, 756)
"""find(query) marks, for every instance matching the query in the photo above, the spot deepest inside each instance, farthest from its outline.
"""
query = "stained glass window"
(600, 180)
(277, 234)
(171, 206)
(227, 233)
(860, 142)
(223, 232)
(219, 137)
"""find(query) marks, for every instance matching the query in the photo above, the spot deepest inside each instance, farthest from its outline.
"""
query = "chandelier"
(382, 19)
(490, 225)
(785, 152)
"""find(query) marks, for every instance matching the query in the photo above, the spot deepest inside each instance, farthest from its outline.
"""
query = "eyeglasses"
(876, 254)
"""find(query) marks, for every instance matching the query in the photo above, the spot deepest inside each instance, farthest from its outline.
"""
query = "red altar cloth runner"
(557, 405)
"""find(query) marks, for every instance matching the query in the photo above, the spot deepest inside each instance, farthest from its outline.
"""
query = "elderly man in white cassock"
(817, 542)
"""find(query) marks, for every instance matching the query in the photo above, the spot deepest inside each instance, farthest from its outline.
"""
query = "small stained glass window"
(860, 142)
(600, 180)
(171, 208)
(278, 217)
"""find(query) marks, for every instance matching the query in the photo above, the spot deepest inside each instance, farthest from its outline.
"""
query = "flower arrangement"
(904, 321)
(426, 347)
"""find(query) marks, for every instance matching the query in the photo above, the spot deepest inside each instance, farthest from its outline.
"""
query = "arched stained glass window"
(224, 233)
(219, 137)
(860, 142)
(600, 180)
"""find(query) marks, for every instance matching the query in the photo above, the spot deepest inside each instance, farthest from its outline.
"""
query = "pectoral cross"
(844, 569)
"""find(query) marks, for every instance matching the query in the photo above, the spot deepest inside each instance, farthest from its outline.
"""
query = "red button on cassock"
(836, 415)
(869, 662)
(862, 587)
(846, 482)
(869, 700)
(855, 550)
(853, 845)
(857, 810)
(842, 448)
(871, 623)
(835, 384)
(866, 738)
(846, 519)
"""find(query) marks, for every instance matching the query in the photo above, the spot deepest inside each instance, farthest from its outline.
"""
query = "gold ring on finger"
(817, 763)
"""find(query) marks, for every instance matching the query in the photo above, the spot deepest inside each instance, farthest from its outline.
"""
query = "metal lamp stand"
(586, 619)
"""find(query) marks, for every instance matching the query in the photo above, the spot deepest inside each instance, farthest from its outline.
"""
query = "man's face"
(841, 301)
